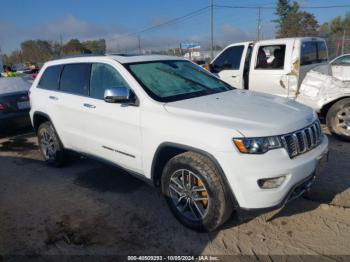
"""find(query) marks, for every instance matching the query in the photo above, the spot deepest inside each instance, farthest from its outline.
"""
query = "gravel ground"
(91, 208)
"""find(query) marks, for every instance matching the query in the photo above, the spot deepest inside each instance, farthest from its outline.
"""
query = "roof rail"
(79, 55)
(121, 54)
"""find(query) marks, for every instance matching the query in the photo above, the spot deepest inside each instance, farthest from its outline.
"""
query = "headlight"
(259, 145)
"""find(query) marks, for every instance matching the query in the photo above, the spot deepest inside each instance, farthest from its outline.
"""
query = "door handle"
(53, 97)
(233, 76)
(89, 106)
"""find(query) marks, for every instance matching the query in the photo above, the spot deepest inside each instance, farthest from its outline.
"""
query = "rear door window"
(75, 79)
(50, 78)
(230, 59)
(103, 77)
(271, 57)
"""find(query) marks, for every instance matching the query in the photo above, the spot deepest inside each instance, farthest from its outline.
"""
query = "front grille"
(303, 140)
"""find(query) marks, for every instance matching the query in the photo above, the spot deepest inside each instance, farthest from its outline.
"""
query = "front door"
(112, 130)
(229, 65)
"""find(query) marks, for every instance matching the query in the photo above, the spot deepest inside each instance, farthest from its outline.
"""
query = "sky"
(117, 21)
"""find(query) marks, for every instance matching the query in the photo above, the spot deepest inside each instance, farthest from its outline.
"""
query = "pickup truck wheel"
(338, 119)
(50, 146)
(195, 192)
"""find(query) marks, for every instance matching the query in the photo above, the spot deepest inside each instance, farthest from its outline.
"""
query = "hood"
(252, 114)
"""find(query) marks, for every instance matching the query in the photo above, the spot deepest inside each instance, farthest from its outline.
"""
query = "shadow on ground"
(107, 178)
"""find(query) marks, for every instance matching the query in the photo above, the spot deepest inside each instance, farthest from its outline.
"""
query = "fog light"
(271, 182)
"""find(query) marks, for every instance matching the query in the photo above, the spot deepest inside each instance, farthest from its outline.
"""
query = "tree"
(73, 47)
(283, 9)
(299, 24)
(333, 32)
(38, 51)
(95, 46)
(13, 59)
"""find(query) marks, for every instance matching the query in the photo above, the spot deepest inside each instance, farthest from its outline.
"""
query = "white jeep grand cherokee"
(209, 147)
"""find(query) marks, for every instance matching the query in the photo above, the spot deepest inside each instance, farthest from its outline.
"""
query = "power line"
(170, 22)
(273, 7)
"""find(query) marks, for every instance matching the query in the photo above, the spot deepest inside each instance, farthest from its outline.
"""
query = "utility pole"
(212, 29)
(258, 26)
(343, 42)
(139, 39)
(61, 45)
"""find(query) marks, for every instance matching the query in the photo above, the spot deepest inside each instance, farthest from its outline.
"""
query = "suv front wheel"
(195, 192)
(50, 145)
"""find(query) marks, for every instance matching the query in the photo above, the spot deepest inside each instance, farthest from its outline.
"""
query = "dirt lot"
(91, 208)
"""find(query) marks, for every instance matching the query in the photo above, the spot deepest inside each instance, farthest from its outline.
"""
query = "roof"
(287, 39)
(144, 58)
(123, 59)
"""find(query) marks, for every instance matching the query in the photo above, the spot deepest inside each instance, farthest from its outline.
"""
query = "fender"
(39, 113)
(228, 191)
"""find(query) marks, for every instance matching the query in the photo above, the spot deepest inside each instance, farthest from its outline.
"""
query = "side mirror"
(117, 95)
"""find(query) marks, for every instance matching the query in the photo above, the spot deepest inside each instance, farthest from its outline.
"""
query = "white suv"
(210, 148)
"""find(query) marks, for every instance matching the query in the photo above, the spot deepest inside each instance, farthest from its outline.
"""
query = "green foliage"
(73, 47)
(292, 22)
(36, 50)
(333, 31)
(95, 47)
(299, 24)
(283, 9)
(336, 27)
(40, 51)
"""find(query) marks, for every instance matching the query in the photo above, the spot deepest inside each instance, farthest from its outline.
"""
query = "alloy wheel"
(47, 144)
(189, 194)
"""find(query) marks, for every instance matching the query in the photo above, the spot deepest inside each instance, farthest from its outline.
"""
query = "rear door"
(229, 64)
(268, 69)
(68, 115)
(112, 130)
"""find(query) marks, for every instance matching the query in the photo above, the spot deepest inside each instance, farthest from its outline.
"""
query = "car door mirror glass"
(117, 95)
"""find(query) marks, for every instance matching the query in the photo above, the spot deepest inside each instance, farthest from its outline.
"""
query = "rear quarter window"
(50, 78)
(313, 52)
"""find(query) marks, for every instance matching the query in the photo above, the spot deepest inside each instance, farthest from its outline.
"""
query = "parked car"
(279, 67)
(14, 102)
(341, 67)
(208, 147)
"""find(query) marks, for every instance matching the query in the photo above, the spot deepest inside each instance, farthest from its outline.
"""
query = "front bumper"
(243, 171)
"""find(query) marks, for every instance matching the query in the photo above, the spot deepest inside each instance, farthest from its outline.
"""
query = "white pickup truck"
(296, 68)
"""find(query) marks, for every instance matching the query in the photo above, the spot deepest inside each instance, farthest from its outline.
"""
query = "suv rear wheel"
(50, 145)
(195, 192)
(338, 119)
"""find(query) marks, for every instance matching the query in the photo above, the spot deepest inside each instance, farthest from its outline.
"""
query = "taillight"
(2, 107)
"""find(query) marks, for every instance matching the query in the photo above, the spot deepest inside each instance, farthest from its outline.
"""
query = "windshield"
(171, 80)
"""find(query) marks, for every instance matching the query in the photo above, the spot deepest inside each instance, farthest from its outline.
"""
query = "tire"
(50, 145)
(205, 209)
(338, 119)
